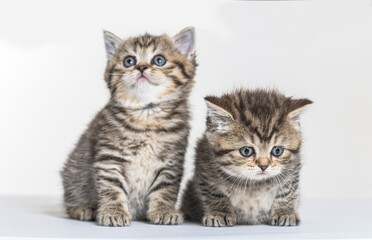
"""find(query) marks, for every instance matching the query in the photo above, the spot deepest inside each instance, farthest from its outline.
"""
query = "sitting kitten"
(128, 164)
(248, 161)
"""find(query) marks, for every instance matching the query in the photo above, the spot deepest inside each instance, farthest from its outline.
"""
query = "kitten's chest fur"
(143, 151)
(252, 206)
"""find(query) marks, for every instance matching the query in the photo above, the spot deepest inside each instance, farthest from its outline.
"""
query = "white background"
(52, 61)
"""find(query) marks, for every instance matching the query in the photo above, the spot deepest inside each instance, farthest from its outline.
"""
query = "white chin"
(140, 84)
(146, 92)
(260, 176)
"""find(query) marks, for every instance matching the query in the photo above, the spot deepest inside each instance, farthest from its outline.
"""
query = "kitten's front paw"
(284, 219)
(114, 218)
(166, 217)
(83, 213)
(219, 219)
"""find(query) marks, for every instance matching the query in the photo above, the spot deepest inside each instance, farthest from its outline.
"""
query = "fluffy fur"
(128, 164)
(229, 188)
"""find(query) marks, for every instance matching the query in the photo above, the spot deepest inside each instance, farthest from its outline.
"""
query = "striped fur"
(128, 164)
(228, 188)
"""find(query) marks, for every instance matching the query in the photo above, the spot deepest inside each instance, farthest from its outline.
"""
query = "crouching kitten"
(128, 164)
(248, 161)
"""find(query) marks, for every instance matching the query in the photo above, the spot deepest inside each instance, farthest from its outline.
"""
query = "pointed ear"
(111, 43)
(296, 107)
(184, 41)
(218, 119)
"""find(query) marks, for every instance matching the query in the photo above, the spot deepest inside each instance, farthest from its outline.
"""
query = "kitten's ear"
(185, 41)
(218, 117)
(296, 107)
(111, 43)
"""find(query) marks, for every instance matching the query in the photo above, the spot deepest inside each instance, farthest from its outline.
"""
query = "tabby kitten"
(248, 161)
(128, 164)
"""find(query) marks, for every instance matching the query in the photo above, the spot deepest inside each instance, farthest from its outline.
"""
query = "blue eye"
(246, 151)
(129, 61)
(277, 151)
(159, 60)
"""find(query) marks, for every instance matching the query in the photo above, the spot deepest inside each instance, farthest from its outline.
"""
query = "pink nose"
(142, 68)
(263, 167)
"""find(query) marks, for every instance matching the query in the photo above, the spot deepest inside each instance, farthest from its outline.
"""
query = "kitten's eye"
(246, 151)
(277, 151)
(129, 61)
(159, 60)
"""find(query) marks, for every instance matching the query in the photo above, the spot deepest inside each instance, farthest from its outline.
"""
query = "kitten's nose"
(263, 167)
(142, 68)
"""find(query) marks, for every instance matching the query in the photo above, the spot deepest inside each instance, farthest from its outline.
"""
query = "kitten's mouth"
(262, 173)
(142, 79)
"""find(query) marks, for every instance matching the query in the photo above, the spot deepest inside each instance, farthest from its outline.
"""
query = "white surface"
(37, 218)
(52, 60)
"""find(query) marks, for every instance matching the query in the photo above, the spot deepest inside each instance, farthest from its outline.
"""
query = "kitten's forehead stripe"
(262, 112)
